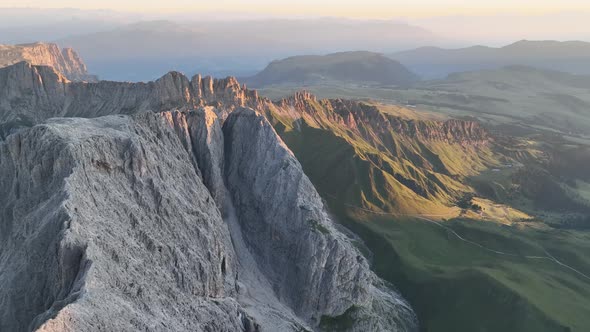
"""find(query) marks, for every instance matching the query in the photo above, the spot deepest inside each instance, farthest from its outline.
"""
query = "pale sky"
(344, 8)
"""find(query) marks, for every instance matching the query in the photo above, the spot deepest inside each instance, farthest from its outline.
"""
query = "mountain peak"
(65, 61)
(357, 66)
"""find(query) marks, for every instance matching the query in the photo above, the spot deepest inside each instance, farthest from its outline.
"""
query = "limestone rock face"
(106, 226)
(208, 142)
(280, 212)
(312, 265)
(30, 94)
(65, 61)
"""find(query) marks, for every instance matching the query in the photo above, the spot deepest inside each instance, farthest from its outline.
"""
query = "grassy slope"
(365, 172)
(452, 285)
(540, 107)
(345, 173)
(456, 286)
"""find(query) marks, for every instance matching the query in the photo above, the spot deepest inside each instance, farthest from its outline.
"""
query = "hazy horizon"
(475, 25)
(227, 38)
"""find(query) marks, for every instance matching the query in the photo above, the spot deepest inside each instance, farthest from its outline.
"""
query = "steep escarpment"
(364, 117)
(319, 273)
(164, 221)
(404, 165)
(65, 61)
(54, 96)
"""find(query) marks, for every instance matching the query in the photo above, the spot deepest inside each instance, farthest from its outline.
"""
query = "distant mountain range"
(339, 68)
(146, 50)
(434, 62)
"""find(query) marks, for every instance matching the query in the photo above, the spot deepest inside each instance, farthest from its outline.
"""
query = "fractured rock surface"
(106, 226)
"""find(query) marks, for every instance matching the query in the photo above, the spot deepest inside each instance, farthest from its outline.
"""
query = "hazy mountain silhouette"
(434, 62)
(147, 49)
(357, 67)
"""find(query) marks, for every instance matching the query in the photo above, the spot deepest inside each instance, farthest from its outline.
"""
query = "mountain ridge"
(435, 62)
(174, 91)
(129, 165)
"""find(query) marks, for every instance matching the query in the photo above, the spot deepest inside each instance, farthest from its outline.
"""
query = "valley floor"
(467, 274)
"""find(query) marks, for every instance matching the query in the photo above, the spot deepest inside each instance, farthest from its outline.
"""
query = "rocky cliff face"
(106, 225)
(363, 118)
(318, 271)
(195, 217)
(382, 158)
(65, 61)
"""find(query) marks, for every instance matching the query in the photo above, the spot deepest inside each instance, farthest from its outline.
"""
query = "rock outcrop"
(196, 219)
(65, 61)
(106, 226)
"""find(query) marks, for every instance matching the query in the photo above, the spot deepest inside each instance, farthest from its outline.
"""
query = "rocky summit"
(167, 206)
(65, 61)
